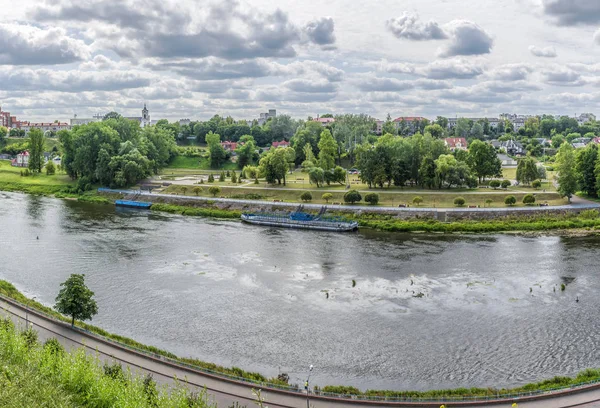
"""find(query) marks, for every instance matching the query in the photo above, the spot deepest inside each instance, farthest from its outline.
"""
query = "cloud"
(546, 52)
(22, 44)
(597, 37)
(99, 62)
(562, 76)
(310, 86)
(466, 38)
(572, 12)
(408, 26)
(453, 68)
(369, 83)
(321, 32)
(511, 72)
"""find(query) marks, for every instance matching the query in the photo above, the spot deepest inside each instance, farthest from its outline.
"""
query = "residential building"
(283, 143)
(5, 119)
(263, 118)
(22, 160)
(410, 121)
(585, 118)
(229, 146)
(513, 148)
(507, 161)
(456, 143)
(84, 121)
(43, 126)
(324, 121)
(379, 128)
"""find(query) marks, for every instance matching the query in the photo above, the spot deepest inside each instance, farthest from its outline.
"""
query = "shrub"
(306, 196)
(26, 173)
(536, 184)
(589, 214)
(327, 197)
(505, 184)
(495, 184)
(183, 190)
(459, 201)
(510, 200)
(372, 198)
(50, 168)
(197, 190)
(233, 177)
(489, 201)
(352, 197)
(529, 199)
(417, 200)
(222, 176)
(211, 178)
(228, 174)
(256, 180)
(214, 190)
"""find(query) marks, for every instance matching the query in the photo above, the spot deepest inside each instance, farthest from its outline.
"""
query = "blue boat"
(133, 204)
(301, 220)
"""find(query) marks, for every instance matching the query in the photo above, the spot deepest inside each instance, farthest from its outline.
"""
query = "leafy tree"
(505, 184)
(282, 127)
(483, 160)
(316, 175)
(3, 134)
(566, 167)
(527, 170)
(309, 132)
(246, 151)
(306, 196)
(536, 184)
(327, 197)
(489, 202)
(352, 196)
(214, 190)
(211, 178)
(111, 115)
(184, 190)
(75, 299)
(36, 150)
(495, 184)
(327, 150)
(557, 140)
(463, 127)
(389, 127)
(276, 163)
(233, 177)
(216, 151)
(372, 198)
(197, 190)
(50, 168)
(476, 131)
(222, 177)
(459, 201)
(417, 200)
(586, 160)
(529, 199)
(158, 145)
(435, 131)
(250, 172)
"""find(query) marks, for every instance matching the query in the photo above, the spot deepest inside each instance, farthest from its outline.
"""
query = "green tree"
(222, 177)
(372, 198)
(111, 115)
(463, 127)
(214, 190)
(316, 175)
(505, 184)
(197, 190)
(536, 184)
(529, 199)
(216, 151)
(50, 168)
(527, 170)
(306, 196)
(233, 177)
(352, 196)
(459, 201)
(586, 160)
(211, 178)
(510, 200)
(184, 190)
(275, 164)
(435, 131)
(495, 184)
(389, 127)
(327, 197)
(327, 150)
(417, 200)
(566, 168)
(36, 150)
(476, 131)
(246, 151)
(75, 299)
(3, 134)
(483, 160)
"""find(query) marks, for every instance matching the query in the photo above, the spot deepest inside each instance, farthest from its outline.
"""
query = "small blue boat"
(301, 220)
(133, 204)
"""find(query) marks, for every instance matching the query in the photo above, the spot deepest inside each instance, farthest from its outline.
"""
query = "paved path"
(225, 392)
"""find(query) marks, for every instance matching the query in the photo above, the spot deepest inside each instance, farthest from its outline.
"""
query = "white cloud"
(408, 26)
(466, 38)
(546, 52)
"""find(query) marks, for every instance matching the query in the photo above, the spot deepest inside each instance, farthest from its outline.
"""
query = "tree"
(222, 177)
(3, 134)
(306, 196)
(352, 196)
(536, 184)
(233, 177)
(389, 127)
(489, 202)
(276, 163)
(316, 175)
(214, 190)
(495, 184)
(510, 200)
(505, 184)
(483, 160)
(216, 151)
(435, 130)
(459, 201)
(417, 200)
(211, 178)
(111, 115)
(50, 168)
(246, 151)
(476, 131)
(372, 198)
(327, 197)
(527, 170)
(529, 199)
(184, 189)
(586, 160)
(327, 150)
(197, 190)
(76, 300)
(36, 150)
(463, 127)
(566, 168)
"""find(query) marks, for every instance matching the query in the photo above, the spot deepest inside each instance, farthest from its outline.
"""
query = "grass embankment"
(195, 163)
(35, 375)
(59, 379)
(8, 290)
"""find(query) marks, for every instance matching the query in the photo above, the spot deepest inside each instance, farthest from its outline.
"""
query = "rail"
(548, 393)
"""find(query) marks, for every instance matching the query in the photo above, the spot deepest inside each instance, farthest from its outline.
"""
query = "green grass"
(35, 375)
(10, 174)
(195, 163)
(50, 142)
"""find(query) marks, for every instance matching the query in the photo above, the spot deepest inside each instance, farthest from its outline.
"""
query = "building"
(144, 120)
(507, 161)
(184, 122)
(379, 128)
(513, 148)
(75, 121)
(494, 122)
(456, 143)
(411, 122)
(229, 146)
(283, 143)
(324, 121)
(22, 160)
(43, 126)
(585, 118)
(263, 118)
(5, 119)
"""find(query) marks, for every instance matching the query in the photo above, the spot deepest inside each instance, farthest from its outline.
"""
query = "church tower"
(145, 117)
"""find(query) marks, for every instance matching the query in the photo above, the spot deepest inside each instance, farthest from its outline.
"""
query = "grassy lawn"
(50, 142)
(12, 174)
(194, 164)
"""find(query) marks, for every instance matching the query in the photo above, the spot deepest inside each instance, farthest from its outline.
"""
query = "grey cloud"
(562, 76)
(546, 52)
(432, 84)
(378, 84)
(458, 68)
(408, 26)
(511, 86)
(321, 32)
(466, 38)
(572, 12)
(27, 45)
(511, 72)
(477, 94)
(310, 86)
(277, 94)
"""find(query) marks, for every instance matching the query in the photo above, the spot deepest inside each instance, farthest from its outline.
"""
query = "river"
(491, 311)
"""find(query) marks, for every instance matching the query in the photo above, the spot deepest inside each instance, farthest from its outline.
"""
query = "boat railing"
(288, 220)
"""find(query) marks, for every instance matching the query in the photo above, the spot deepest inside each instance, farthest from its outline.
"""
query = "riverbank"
(586, 377)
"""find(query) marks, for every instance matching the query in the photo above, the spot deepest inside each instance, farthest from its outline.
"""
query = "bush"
(233, 177)
(214, 190)
(197, 190)
(417, 200)
(510, 200)
(306, 196)
(372, 198)
(529, 199)
(352, 197)
(327, 197)
(505, 184)
(495, 184)
(589, 214)
(50, 168)
(211, 178)
(489, 201)
(536, 184)
(459, 201)
(222, 177)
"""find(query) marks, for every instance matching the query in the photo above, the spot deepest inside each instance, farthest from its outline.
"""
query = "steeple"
(145, 115)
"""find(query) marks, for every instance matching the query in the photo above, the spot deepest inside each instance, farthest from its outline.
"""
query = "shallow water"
(255, 297)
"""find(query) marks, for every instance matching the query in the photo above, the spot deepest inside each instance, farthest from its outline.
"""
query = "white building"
(144, 120)
(84, 121)
(43, 126)
(262, 119)
(585, 118)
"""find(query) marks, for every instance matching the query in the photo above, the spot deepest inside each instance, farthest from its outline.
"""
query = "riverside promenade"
(225, 391)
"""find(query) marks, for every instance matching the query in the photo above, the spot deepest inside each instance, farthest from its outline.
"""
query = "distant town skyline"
(194, 59)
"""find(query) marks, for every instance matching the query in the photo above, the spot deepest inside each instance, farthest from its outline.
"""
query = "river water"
(256, 297)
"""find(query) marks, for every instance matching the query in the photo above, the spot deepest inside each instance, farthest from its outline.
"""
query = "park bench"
(473, 206)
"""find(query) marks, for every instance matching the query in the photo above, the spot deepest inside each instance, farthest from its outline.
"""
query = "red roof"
(283, 143)
(409, 119)
(456, 141)
(324, 120)
(229, 145)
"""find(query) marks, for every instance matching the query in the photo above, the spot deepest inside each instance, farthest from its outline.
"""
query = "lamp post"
(27, 314)
(306, 387)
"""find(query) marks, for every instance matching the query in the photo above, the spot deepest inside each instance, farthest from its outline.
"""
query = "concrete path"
(225, 392)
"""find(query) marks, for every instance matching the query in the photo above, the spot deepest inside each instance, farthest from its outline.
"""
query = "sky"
(197, 58)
